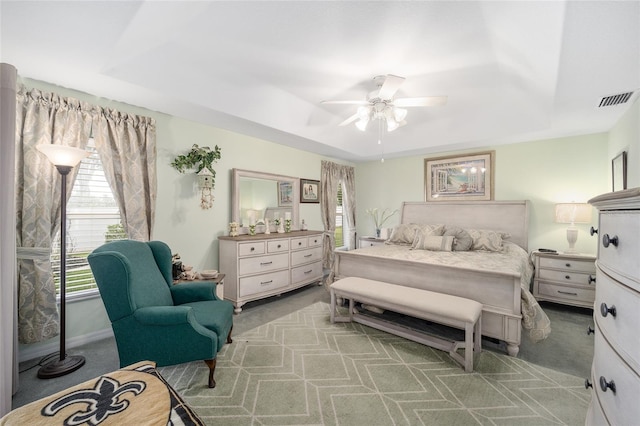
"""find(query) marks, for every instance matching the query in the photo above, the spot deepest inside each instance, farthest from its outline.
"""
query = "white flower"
(380, 219)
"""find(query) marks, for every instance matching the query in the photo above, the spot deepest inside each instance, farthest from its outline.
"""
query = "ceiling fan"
(380, 104)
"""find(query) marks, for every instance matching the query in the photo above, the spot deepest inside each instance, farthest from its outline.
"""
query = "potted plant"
(198, 157)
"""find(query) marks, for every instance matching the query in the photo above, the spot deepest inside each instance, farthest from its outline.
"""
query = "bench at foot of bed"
(441, 308)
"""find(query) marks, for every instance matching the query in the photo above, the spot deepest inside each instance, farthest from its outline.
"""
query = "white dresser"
(264, 265)
(615, 374)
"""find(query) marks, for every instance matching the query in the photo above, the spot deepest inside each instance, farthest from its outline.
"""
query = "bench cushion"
(409, 300)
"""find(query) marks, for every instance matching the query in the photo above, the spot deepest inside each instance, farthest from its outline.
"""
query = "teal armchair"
(152, 319)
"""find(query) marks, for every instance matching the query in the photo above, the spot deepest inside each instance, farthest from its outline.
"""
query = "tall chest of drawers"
(615, 374)
(263, 265)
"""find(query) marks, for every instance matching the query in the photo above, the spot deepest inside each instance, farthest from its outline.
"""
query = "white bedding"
(512, 261)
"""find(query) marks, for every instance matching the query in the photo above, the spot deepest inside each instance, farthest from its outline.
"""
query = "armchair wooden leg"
(229, 335)
(211, 363)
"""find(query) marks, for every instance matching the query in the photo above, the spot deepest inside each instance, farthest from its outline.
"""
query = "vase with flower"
(379, 218)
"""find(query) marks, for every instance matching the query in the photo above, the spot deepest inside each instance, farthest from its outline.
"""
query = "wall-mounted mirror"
(256, 196)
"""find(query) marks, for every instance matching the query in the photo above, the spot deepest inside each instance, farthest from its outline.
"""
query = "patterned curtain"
(41, 118)
(127, 147)
(332, 175)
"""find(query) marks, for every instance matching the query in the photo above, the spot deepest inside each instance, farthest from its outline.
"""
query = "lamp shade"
(61, 155)
(573, 213)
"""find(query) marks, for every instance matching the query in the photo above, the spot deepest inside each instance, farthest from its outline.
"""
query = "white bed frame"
(498, 292)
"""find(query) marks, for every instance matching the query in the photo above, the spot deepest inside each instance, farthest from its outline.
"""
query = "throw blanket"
(133, 395)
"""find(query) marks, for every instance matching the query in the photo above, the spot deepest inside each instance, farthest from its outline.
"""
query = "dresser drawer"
(277, 246)
(569, 277)
(587, 266)
(299, 243)
(253, 265)
(315, 241)
(575, 294)
(249, 249)
(621, 329)
(595, 416)
(623, 257)
(309, 272)
(263, 283)
(621, 407)
(306, 256)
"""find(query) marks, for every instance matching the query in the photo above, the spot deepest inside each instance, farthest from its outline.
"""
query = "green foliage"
(114, 233)
(198, 158)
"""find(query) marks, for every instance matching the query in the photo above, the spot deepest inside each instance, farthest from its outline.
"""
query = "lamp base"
(61, 367)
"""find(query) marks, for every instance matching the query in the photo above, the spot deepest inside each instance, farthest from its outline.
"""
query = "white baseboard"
(26, 354)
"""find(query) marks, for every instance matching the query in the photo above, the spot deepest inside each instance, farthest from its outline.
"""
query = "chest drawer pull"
(592, 279)
(590, 330)
(587, 384)
(593, 231)
(266, 282)
(567, 293)
(308, 255)
(606, 240)
(266, 263)
(605, 310)
(604, 385)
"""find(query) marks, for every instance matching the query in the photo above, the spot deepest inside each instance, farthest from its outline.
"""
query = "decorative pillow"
(431, 242)
(402, 235)
(405, 234)
(487, 240)
(462, 240)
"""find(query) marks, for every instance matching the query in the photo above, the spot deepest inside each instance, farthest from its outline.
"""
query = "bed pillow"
(405, 234)
(487, 240)
(462, 240)
(432, 242)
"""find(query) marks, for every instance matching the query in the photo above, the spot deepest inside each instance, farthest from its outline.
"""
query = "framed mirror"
(256, 196)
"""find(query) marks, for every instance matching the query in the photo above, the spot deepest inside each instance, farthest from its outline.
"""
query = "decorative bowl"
(209, 273)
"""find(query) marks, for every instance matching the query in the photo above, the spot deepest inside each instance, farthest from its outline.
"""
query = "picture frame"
(468, 177)
(309, 191)
(285, 194)
(619, 171)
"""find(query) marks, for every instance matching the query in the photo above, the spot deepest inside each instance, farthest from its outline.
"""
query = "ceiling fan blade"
(390, 86)
(418, 102)
(346, 102)
(349, 120)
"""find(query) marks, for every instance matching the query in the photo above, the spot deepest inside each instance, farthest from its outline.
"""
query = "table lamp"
(573, 213)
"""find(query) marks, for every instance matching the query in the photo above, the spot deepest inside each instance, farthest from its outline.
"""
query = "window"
(339, 234)
(93, 218)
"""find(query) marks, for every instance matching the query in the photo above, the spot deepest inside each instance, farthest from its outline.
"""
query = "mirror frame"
(235, 196)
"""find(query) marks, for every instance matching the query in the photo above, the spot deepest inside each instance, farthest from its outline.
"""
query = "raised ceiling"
(513, 71)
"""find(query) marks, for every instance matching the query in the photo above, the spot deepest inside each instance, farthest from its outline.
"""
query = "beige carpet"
(303, 370)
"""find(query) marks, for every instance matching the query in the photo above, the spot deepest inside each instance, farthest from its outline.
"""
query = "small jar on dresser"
(263, 265)
(565, 278)
(615, 374)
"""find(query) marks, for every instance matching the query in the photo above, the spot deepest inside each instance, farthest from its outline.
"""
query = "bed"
(498, 279)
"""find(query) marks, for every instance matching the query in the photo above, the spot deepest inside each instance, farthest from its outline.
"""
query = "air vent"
(615, 99)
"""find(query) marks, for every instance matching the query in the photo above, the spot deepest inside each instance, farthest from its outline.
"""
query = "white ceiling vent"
(615, 99)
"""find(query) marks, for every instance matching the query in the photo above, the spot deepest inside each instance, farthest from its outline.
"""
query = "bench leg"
(333, 306)
(468, 347)
(478, 336)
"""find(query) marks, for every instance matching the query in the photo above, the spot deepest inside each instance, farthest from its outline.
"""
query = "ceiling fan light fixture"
(399, 114)
(362, 124)
(392, 125)
(364, 112)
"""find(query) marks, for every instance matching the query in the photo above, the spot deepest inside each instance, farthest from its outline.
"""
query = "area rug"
(303, 370)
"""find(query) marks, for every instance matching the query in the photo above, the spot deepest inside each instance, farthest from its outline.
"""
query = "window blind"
(93, 218)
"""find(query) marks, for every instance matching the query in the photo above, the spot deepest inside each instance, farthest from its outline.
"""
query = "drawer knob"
(605, 310)
(568, 265)
(300, 243)
(606, 240)
(253, 248)
(279, 246)
(604, 385)
(567, 277)
(592, 279)
(593, 231)
(588, 384)
(590, 330)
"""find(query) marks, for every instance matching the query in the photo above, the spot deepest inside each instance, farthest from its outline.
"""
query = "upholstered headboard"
(503, 216)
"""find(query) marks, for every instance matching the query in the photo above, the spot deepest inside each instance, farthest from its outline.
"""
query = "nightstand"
(565, 278)
(370, 242)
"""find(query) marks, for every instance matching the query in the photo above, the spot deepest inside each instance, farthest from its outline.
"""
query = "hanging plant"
(198, 158)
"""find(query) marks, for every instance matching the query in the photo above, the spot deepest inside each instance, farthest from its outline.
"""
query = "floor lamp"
(64, 158)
